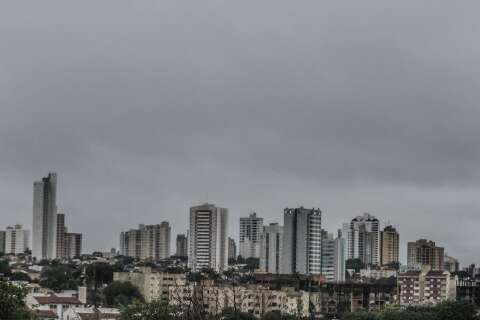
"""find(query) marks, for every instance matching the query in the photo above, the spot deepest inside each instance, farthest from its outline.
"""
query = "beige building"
(147, 242)
(389, 246)
(152, 285)
(426, 287)
(424, 253)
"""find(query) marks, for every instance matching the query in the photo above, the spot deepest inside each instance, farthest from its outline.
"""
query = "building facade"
(73, 245)
(2, 241)
(389, 246)
(251, 228)
(333, 258)
(450, 264)
(363, 239)
(424, 253)
(232, 249)
(45, 218)
(182, 246)
(302, 241)
(147, 242)
(208, 238)
(17, 240)
(271, 248)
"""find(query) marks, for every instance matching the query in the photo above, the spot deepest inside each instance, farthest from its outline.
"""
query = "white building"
(250, 234)
(45, 218)
(16, 240)
(147, 242)
(333, 258)
(363, 239)
(271, 248)
(208, 238)
(302, 241)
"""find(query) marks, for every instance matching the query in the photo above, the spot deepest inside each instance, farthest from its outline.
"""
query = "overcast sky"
(145, 108)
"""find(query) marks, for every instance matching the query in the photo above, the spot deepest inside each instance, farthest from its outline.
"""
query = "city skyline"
(146, 110)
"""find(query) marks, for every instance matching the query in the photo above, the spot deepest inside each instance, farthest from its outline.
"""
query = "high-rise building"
(232, 249)
(208, 238)
(363, 239)
(251, 228)
(182, 246)
(45, 218)
(389, 246)
(147, 242)
(61, 230)
(450, 264)
(72, 245)
(333, 257)
(302, 241)
(2, 241)
(425, 253)
(271, 248)
(16, 240)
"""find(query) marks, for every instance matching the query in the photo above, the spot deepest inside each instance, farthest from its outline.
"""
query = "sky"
(145, 108)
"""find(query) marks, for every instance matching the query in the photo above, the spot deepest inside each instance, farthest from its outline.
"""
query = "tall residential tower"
(302, 241)
(45, 218)
(208, 238)
(250, 232)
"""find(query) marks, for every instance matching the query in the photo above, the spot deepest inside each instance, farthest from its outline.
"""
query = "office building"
(208, 238)
(45, 218)
(251, 228)
(302, 241)
(363, 239)
(424, 253)
(16, 240)
(333, 257)
(389, 246)
(271, 248)
(147, 242)
(232, 249)
(182, 246)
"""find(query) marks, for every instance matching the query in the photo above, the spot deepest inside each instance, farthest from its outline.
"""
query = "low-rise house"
(91, 313)
(56, 303)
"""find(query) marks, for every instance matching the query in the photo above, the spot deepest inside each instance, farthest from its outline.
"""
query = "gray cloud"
(145, 108)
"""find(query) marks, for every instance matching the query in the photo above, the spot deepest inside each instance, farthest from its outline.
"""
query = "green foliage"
(4, 267)
(120, 294)
(253, 263)
(58, 277)
(443, 311)
(231, 314)
(19, 276)
(99, 273)
(355, 264)
(155, 310)
(12, 305)
(276, 315)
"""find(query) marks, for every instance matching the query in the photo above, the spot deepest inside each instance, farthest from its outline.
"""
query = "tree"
(355, 264)
(232, 314)
(5, 268)
(12, 304)
(19, 276)
(121, 294)
(58, 277)
(155, 310)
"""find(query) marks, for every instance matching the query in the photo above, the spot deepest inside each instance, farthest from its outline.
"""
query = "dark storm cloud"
(145, 108)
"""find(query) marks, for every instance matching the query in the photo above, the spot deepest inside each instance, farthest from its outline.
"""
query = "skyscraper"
(16, 240)
(72, 245)
(389, 246)
(363, 239)
(425, 253)
(61, 230)
(333, 257)
(232, 249)
(302, 241)
(250, 233)
(45, 218)
(271, 248)
(208, 238)
(182, 246)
